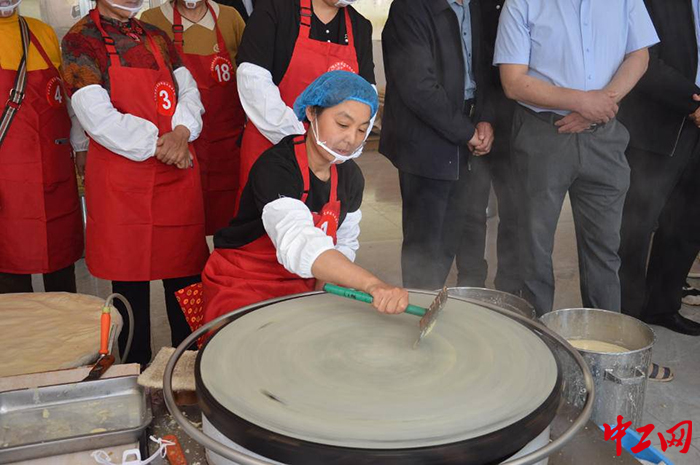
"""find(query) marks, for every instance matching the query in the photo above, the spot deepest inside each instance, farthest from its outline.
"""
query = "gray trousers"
(592, 168)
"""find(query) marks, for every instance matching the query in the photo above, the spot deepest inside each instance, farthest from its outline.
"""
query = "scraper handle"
(366, 298)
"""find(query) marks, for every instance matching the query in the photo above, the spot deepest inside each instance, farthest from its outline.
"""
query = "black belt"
(551, 118)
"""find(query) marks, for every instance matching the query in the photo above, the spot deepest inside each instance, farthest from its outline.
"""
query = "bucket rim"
(600, 310)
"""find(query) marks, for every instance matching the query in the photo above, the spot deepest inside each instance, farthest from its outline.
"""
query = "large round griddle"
(319, 379)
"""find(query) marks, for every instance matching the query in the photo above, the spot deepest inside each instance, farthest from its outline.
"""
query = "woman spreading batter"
(299, 215)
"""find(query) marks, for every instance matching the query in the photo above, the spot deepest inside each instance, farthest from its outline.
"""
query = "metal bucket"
(620, 378)
(500, 299)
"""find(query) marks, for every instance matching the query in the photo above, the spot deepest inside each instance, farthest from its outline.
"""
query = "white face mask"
(344, 3)
(133, 10)
(8, 8)
(192, 4)
(338, 157)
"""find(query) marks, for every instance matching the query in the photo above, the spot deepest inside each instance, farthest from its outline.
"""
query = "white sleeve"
(263, 104)
(291, 228)
(347, 235)
(78, 139)
(124, 134)
(189, 110)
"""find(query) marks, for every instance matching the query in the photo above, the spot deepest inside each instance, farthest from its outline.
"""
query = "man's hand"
(80, 162)
(573, 123)
(484, 142)
(598, 106)
(172, 148)
(476, 140)
(695, 116)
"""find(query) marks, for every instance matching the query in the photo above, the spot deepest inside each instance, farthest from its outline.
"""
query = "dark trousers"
(495, 168)
(472, 267)
(591, 167)
(652, 180)
(138, 293)
(59, 281)
(433, 213)
(676, 242)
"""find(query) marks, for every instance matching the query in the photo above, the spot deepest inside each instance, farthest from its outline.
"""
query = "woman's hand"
(80, 163)
(387, 298)
(172, 148)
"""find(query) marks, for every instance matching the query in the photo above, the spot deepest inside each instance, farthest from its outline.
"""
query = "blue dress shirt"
(465, 31)
(576, 44)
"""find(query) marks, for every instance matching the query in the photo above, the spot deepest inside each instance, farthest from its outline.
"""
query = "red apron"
(217, 146)
(145, 219)
(234, 278)
(310, 59)
(41, 227)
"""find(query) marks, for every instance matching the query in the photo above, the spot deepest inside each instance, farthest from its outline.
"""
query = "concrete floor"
(666, 403)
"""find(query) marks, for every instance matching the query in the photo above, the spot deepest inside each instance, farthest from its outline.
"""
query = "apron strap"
(305, 13)
(41, 50)
(16, 97)
(178, 30)
(110, 45)
(348, 28)
(303, 162)
(157, 53)
(334, 183)
(223, 51)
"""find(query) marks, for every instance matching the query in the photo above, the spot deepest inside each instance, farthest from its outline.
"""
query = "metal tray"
(54, 420)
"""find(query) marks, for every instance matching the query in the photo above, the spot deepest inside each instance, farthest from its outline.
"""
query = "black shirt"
(272, 30)
(276, 174)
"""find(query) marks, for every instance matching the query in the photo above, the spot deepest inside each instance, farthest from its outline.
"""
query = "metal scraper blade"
(427, 323)
(102, 365)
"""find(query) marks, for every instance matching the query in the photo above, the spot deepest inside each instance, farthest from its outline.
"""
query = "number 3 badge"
(165, 98)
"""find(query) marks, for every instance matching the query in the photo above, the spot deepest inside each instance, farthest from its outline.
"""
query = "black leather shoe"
(675, 322)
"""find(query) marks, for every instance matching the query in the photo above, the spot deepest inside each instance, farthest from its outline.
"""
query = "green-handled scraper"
(428, 315)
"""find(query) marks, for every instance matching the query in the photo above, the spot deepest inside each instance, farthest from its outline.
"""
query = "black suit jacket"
(424, 124)
(655, 110)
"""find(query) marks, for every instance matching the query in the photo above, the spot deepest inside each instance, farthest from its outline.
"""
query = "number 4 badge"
(54, 93)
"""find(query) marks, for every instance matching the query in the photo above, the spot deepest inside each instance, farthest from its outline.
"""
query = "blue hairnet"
(334, 87)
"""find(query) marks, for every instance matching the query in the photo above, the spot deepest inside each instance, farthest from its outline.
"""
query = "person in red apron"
(141, 108)
(298, 222)
(207, 36)
(41, 228)
(286, 45)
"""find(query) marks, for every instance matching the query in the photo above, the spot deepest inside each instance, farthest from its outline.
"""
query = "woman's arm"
(308, 252)
(263, 103)
(334, 267)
